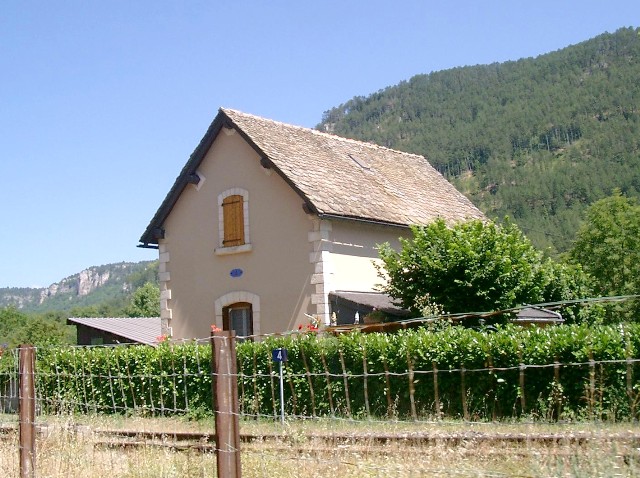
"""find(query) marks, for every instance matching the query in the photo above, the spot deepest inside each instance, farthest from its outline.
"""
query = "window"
(239, 318)
(233, 222)
(233, 214)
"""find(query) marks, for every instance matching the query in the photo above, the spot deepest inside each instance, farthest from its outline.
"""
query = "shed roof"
(376, 300)
(144, 330)
(537, 315)
(335, 177)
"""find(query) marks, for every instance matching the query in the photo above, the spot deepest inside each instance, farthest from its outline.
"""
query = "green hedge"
(493, 386)
(125, 379)
(508, 373)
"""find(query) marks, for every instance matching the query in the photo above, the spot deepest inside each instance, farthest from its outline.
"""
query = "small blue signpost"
(280, 356)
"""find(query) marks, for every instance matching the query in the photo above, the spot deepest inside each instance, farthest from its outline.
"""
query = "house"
(117, 330)
(267, 219)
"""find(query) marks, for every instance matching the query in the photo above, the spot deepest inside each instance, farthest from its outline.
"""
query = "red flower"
(307, 328)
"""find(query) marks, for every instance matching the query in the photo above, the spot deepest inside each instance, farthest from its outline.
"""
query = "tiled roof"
(337, 176)
(144, 330)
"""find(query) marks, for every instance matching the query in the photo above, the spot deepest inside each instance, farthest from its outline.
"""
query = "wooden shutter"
(233, 214)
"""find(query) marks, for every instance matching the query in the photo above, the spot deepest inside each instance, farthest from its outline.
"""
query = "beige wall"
(354, 252)
(277, 270)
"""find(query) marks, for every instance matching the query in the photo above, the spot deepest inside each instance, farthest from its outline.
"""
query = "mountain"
(109, 284)
(538, 139)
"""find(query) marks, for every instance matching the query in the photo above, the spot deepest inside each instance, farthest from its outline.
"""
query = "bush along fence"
(564, 372)
(223, 383)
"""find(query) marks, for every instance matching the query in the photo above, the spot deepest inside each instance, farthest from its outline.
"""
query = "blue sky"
(102, 102)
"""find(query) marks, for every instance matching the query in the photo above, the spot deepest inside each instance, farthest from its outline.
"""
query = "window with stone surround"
(233, 221)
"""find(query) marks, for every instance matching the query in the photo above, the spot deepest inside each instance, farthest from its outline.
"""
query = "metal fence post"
(27, 412)
(224, 383)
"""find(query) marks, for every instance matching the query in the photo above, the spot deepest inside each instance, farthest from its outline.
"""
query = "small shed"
(117, 330)
(347, 304)
(537, 316)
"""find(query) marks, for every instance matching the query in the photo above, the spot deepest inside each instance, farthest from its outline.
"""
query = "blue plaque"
(236, 272)
(279, 355)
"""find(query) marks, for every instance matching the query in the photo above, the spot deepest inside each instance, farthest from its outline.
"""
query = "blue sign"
(236, 272)
(279, 355)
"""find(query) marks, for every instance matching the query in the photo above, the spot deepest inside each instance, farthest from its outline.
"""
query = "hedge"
(562, 372)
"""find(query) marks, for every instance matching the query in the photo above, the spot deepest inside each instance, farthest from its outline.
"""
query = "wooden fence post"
(388, 388)
(592, 385)
(328, 377)
(312, 394)
(365, 384)
(224, 383)
(436, 393)
(346, 382)
(631, 395)
(556, 381)
(27, 412)
(494, 385)
(463, 393)
(522, 367)
(412, 388)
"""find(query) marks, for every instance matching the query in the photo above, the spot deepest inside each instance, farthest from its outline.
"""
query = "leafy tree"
(145, 302)
(17, 328)
(474, 267)
(39, 331)
(607, 247)
(10, 320)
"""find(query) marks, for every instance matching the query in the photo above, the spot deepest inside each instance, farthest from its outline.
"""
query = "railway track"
(337, 440)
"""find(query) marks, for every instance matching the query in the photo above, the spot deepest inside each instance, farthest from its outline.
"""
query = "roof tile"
(345, 177)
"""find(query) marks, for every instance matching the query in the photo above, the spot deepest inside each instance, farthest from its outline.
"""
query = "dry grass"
(72, 447)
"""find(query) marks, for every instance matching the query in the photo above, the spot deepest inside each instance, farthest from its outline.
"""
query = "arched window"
(240, 311)
(239, 318)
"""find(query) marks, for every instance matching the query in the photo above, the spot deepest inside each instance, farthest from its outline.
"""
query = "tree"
(607, 247)
(39, 331)
(474, 267)
(145, 302)
(18, 328)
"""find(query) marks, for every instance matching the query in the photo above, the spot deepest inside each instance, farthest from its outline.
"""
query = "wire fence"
(140, 381)
(92, 406)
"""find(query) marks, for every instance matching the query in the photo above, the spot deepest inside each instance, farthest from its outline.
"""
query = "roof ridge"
(322, 133)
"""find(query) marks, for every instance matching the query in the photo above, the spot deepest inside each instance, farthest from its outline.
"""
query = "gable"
(334, 176)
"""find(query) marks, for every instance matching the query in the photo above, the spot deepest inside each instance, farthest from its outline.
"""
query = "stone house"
(267, 220)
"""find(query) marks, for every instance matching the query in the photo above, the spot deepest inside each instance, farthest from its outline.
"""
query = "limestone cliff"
(101, 281)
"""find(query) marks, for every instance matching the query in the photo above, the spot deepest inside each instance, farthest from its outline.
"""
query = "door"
(239, 318)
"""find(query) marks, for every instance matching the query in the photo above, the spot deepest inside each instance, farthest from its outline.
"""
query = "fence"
(340, 381)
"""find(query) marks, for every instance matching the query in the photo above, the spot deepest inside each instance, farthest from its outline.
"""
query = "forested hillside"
(538, 139)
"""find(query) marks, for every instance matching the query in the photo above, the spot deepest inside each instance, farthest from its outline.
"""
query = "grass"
(71, 446)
